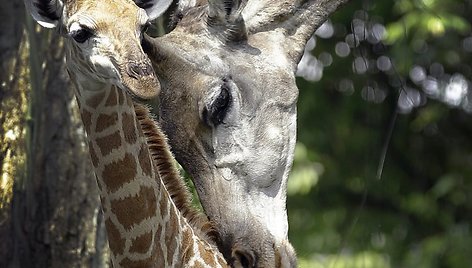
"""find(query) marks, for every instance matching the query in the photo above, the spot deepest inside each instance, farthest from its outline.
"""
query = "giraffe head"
(103, 40)
(228, 104)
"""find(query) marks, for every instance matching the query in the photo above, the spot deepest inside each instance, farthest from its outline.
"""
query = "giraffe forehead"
(104, 16)
(107, 6)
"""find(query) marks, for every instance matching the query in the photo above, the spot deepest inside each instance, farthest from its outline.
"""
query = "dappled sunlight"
(398, 82)
(309, 66)
(416, 28)
(13, 117)
(10, 165)
(305, 173)
(456, 90)
(364, 259)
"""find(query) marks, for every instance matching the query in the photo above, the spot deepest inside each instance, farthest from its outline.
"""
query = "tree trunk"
(52, 221)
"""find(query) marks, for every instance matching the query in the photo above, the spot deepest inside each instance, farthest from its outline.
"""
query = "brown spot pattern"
(141, 244)
(140, 129)
(134, 209)
(99, 183)
(112, 99)
(105, 121)
(206, 256)
(93, 155)
(187, 252)
(121, 98)
(160, 261)
(138, 263)
(108, 143)
(163, 204)
(116, 242)
(129, 101)
(95, 100)
(145, 160)
(221, 262)
(129, 128)
(117, 173)
(87, 120)
(171, 233)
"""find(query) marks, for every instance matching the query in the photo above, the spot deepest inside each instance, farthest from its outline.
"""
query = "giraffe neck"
(144, 226)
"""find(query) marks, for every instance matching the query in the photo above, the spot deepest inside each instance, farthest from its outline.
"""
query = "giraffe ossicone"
(148, 217)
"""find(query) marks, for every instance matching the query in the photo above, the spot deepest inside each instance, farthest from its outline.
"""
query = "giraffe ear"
(154, 8)
(46, 12)
(226, 17)
(225, 8)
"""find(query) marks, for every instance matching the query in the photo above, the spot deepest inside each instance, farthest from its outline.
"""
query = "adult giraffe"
(148, 218)
(228, 103)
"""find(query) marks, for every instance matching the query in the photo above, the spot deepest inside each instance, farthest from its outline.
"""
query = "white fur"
(264, 163)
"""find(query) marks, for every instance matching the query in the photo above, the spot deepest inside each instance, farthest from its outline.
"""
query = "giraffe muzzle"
(140, 80)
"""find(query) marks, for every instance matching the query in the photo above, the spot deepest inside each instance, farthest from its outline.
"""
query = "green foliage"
(413, 75)
(365, 259)
(305, 173)
(424, 19)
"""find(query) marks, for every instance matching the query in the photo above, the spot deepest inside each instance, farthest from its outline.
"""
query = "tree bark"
(52, 221)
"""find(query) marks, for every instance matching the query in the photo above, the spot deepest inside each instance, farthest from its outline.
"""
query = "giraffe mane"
(164, 165)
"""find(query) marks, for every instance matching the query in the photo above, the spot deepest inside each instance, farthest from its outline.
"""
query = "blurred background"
(383, 165)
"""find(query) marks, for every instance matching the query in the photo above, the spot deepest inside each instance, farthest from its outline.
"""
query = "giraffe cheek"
(105, 67)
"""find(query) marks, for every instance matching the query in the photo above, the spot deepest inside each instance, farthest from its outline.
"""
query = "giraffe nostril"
(137, 70)
(243, 258)
(147, 69)
(134, 70)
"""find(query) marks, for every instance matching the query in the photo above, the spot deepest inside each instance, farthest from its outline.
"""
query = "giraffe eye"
(214, 113)
(81, 35)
